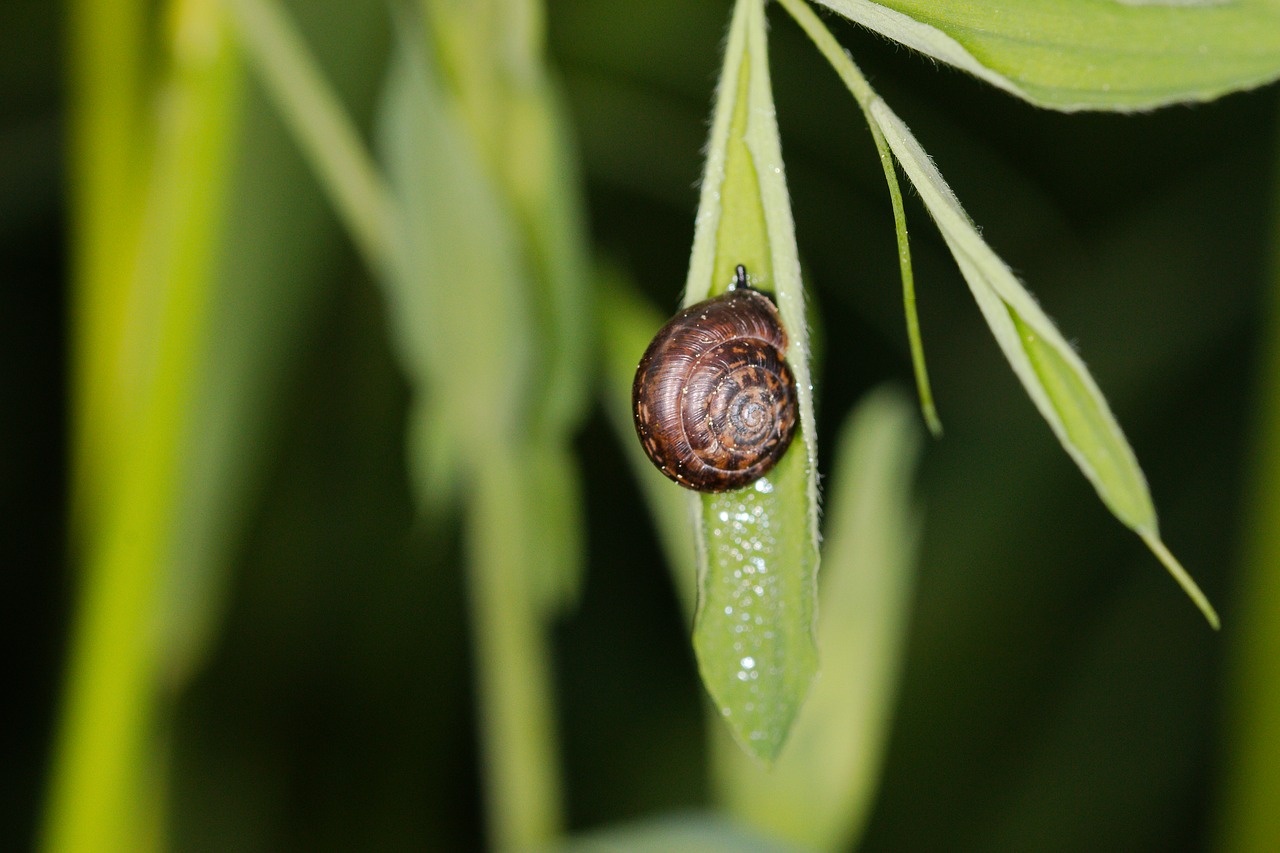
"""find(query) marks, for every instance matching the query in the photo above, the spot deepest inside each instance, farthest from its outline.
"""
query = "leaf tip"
(932, 421)
(1184, 579)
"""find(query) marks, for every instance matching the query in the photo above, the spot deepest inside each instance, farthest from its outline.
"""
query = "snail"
(713, 398)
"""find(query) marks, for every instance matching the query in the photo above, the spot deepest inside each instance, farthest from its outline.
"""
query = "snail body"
(714, 399)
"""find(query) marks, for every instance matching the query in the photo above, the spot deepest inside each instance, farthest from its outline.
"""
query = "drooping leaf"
(455, 290)
(1053, 375)
(1050, 370)
(829, 47)
(758, 546)
(819, 793)
(462, 298)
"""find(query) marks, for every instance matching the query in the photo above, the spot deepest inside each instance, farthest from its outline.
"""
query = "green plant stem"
(514, 685)
(522, 775)
(865, 96)
(322, 128)
(1251, 800)
(104, 750)
(105, 89)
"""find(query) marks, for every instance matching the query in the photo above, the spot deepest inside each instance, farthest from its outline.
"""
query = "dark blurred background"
(1060, 691)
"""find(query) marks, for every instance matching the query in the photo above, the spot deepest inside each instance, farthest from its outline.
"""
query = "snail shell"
(714, 401)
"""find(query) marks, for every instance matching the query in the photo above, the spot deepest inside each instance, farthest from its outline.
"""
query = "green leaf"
(542, 180)
(1049, 369)
(458, 307)
(826, 43)
(490, 58)
(820, 791)
(461, 300)
(1052, 373)
(1123, 55)
(758, 546)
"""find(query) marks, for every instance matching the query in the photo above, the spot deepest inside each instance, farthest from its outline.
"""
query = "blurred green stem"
(1251, 819)
(522, 774)
(105, 89)
(104, 749)
(514, 684)
(490, 63)
(321, 128)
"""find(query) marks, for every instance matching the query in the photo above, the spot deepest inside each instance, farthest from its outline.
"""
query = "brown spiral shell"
(713, 399)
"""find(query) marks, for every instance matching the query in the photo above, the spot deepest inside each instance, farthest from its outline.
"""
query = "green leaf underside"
(1076, 404)
(1053, 375)
(485, 251)
(1091, 54)
(457, 276)
(753, 633)
(758, 554)
(819, 793)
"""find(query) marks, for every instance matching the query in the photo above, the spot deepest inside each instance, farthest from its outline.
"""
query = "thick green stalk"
(105, 745)
(522, 773)
(106, 156)
(1251, 818)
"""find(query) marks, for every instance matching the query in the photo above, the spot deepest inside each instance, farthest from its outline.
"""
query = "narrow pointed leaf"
(455, 290)
(542, 179)
(863, 94)
(1049, 369)
(758, 546)
(1121, 55)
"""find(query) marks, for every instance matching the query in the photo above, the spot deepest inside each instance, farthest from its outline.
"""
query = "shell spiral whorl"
(714, 400)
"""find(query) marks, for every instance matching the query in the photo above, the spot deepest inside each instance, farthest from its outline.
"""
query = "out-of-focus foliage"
(1058, 694)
